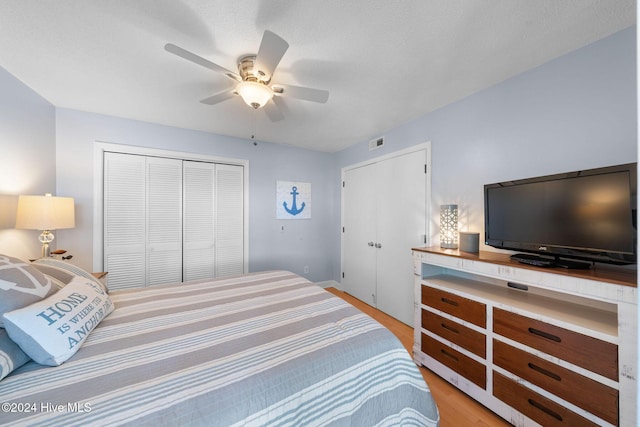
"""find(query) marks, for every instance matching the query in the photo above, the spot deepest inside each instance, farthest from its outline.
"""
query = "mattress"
(264, 349)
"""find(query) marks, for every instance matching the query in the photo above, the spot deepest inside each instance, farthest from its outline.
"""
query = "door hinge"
(343, 229)
(343, 184)
(425, 168)
(343, 274)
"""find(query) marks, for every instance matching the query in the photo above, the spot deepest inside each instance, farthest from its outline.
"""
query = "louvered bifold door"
(124, 220)
(229, 219)
(164, 221)
(198, 240)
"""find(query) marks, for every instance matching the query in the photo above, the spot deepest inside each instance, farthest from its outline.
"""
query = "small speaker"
(469, 242)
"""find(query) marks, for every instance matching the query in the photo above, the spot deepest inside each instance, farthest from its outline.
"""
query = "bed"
(268, 349)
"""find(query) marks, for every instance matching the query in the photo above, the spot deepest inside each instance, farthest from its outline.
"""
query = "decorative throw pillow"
(52, 330)
(21, 284)
(11, 356)
(64, 271)
(61, 275)
(56, 283)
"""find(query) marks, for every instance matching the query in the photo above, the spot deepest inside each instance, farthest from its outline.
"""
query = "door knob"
(370, 243)
(378, 245)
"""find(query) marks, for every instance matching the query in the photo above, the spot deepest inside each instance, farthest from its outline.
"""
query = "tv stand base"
(548, 262)
(502, 332)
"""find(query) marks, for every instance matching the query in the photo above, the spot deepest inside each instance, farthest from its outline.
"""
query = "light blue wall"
(27, 159)
(302, 243)
(578, 111)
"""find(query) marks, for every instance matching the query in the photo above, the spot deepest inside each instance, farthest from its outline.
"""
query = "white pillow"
(52, 330)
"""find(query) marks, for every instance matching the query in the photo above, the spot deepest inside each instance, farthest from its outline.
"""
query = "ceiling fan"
(253, 80)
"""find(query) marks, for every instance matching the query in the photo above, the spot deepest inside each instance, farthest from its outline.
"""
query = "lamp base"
(449, 245)
(45, 238)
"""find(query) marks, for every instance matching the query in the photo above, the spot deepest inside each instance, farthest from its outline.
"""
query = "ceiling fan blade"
(189, 56)
(219, 97)
(273, 111)
(299, 92)
(271, 51)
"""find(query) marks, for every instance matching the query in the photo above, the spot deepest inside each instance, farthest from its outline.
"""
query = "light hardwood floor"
(456, 408)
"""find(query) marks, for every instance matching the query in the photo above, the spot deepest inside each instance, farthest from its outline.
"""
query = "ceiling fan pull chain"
(253, 127)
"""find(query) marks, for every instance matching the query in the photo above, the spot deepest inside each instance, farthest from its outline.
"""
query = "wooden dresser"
(537, 346)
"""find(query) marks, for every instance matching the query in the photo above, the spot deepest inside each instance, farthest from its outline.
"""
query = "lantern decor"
(449, 226)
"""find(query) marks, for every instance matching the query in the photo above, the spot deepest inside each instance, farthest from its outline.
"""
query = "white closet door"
(229, 219)
(170, 220)
(199, 251)
(401, 225)
(384, 216)
(124, 220)
(164, 221)
(359, 235)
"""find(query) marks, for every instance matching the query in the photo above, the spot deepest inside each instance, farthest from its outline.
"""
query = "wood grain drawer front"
(584, 392)
(466, 338)
(465, 366)
(460, 307)
(590, 353)
(538, 408)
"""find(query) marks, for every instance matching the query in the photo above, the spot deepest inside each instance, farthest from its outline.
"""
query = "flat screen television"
(587, 215)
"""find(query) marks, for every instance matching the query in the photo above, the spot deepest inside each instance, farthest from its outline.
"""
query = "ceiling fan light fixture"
(254, 94)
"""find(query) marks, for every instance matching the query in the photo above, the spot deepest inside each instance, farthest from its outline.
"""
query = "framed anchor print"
(293, 200)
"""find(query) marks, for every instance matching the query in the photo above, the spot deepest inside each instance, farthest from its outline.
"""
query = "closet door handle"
(370, 243)
(378, 245)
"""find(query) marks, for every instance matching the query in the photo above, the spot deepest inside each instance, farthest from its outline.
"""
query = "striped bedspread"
(264, 349)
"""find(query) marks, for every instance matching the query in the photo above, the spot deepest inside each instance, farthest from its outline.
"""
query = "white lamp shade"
(45, 213)
(255, 94)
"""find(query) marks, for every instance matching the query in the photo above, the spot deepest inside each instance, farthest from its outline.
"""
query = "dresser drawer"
(588, 352)
(465, 366)
(534, 406)
(466, 338)
(586, 393)
(460, 307)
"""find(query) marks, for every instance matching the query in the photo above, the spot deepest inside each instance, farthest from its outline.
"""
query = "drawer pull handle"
(544, 409)
(449, 328)
(449, 301)
(449, 355)
(544, 372)
(544, 334)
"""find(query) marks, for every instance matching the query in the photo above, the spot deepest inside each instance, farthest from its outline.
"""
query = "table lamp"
(449, 226)
(45, 213)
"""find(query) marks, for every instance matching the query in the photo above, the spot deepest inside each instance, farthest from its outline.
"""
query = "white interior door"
(401, 225)
(359, 233)
(384, 216)
(164, 220)
(229, 220)
(168, 220)
(199, 239)
(124, 220)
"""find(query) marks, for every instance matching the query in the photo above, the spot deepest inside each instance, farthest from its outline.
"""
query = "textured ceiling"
(384, 62)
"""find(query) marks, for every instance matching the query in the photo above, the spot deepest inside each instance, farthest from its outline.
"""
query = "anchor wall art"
(293, 200)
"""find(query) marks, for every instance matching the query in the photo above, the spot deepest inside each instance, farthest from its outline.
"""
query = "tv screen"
(587, 215)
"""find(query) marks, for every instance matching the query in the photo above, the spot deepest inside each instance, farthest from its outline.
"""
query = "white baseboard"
(329, 284)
